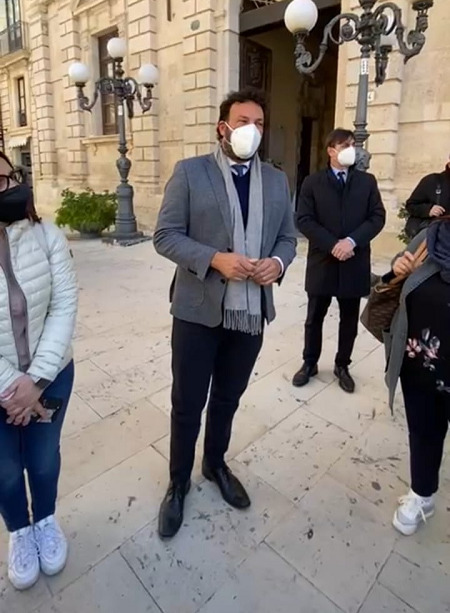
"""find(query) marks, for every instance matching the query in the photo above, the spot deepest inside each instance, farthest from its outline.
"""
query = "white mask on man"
(347, 157)
(245, 141)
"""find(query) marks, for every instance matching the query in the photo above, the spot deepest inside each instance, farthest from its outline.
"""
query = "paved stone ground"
(324, 470)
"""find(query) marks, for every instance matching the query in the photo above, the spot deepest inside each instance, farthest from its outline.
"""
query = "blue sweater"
(243, 189)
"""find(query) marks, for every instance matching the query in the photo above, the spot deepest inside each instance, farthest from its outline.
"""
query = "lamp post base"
(125, 239)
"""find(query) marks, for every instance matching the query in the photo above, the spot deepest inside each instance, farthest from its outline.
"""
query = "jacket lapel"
(218, 185)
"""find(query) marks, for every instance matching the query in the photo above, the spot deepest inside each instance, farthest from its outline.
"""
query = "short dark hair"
(338, 136)
(31, 209)
(248, 94)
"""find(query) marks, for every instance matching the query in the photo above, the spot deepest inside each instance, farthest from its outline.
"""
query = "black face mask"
(13, 203)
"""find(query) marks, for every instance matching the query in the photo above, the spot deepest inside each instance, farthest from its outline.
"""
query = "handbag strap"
(420, 256)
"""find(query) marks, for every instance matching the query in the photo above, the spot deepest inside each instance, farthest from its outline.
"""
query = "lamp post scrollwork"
(125, 90)
(376, 30)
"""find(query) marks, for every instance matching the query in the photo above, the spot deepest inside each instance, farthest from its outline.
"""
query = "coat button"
(223, 281)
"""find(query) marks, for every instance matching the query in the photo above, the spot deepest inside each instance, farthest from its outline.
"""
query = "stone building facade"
(203, 49)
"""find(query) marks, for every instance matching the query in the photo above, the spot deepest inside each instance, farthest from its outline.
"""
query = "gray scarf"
(242, 306)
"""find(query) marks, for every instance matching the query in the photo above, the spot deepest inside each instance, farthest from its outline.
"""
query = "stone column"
(200, 76)
(42, 108)
(141, 36)
(5, 110)
(75, 121)
(227, 28)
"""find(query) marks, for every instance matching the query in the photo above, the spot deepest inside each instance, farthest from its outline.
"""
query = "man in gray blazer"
(226, 221)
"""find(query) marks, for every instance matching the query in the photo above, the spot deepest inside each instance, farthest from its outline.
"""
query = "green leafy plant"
(403, 215)
(87, 212)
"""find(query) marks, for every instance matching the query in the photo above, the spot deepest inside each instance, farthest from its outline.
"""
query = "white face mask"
(347, 157)
(245, 141)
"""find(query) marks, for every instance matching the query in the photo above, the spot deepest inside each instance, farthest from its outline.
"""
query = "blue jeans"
(34, 449)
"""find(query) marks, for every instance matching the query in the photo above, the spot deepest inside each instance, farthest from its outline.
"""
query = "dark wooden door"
(304, 163)
(256, 71)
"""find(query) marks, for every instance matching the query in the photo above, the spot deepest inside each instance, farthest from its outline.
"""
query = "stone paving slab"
(111, 585)
(213, 542)
(337, 541)
(280, 588)
(323, 470)
(426, 590)
(380, 600)
(296, 453)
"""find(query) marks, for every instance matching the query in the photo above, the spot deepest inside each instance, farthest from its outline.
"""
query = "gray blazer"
(395, 340)
(194, 223)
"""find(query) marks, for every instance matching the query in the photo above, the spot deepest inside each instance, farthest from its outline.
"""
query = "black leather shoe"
(171, 509)
(346, 381)
(303, 376)
(230, 487)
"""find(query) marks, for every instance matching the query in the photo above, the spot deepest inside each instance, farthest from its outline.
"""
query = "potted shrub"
(87, 212)
(403, 215)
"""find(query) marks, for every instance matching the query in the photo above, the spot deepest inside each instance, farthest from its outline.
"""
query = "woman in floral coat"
(418, 353)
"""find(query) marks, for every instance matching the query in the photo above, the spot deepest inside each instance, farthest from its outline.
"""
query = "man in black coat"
(430, 199)
(340, 212)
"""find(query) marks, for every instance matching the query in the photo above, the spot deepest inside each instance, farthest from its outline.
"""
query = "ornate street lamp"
(125, 91)
(376, 30)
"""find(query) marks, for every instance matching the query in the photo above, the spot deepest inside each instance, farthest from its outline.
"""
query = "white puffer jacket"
(43, 267)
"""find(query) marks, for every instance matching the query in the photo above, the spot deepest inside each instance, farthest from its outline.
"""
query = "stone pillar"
(200, 76)
(141, 36)
(227, 28)
(5, 110)
(42, 108)
(75, 120)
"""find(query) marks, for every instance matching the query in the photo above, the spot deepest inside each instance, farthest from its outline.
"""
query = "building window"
(109, 111)
(11, 33)
(21, 102)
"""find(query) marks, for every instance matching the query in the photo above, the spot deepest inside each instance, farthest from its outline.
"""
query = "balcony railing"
(13, 39)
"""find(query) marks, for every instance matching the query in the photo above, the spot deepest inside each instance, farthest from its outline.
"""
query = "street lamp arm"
(102, 86)
(347, 32)
(133, 90)
(415, 39)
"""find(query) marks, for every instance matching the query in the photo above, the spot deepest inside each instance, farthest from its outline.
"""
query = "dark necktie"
(341, 179)
(239, 169)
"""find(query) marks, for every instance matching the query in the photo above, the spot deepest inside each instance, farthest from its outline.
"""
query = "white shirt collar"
(234, 163)
(337, 171)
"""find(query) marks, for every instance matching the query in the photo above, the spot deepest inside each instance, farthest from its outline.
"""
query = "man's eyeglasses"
(8, 181)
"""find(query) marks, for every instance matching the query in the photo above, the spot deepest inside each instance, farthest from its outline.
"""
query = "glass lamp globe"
(117, 48)
(301, 16)
(79, 73)
(148, 74)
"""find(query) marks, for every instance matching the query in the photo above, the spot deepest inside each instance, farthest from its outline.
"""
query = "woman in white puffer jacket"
(38, 305)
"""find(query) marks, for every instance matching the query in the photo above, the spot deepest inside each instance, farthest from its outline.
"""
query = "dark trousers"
(428, 415)
(34, 449)
(206, 359)
(348, 328)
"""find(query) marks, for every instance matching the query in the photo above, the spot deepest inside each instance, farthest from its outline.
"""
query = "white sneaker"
(23, 560)
(52, 545)
(413, 510)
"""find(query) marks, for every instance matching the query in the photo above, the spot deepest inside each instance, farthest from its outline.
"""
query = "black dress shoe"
(171, 510)
(346, 381)
(303, 376)
(230, 487)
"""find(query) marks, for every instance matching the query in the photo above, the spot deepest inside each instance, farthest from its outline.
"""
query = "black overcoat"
(327, 213)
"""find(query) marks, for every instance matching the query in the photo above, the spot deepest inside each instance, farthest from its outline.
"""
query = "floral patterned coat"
(396, 339)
